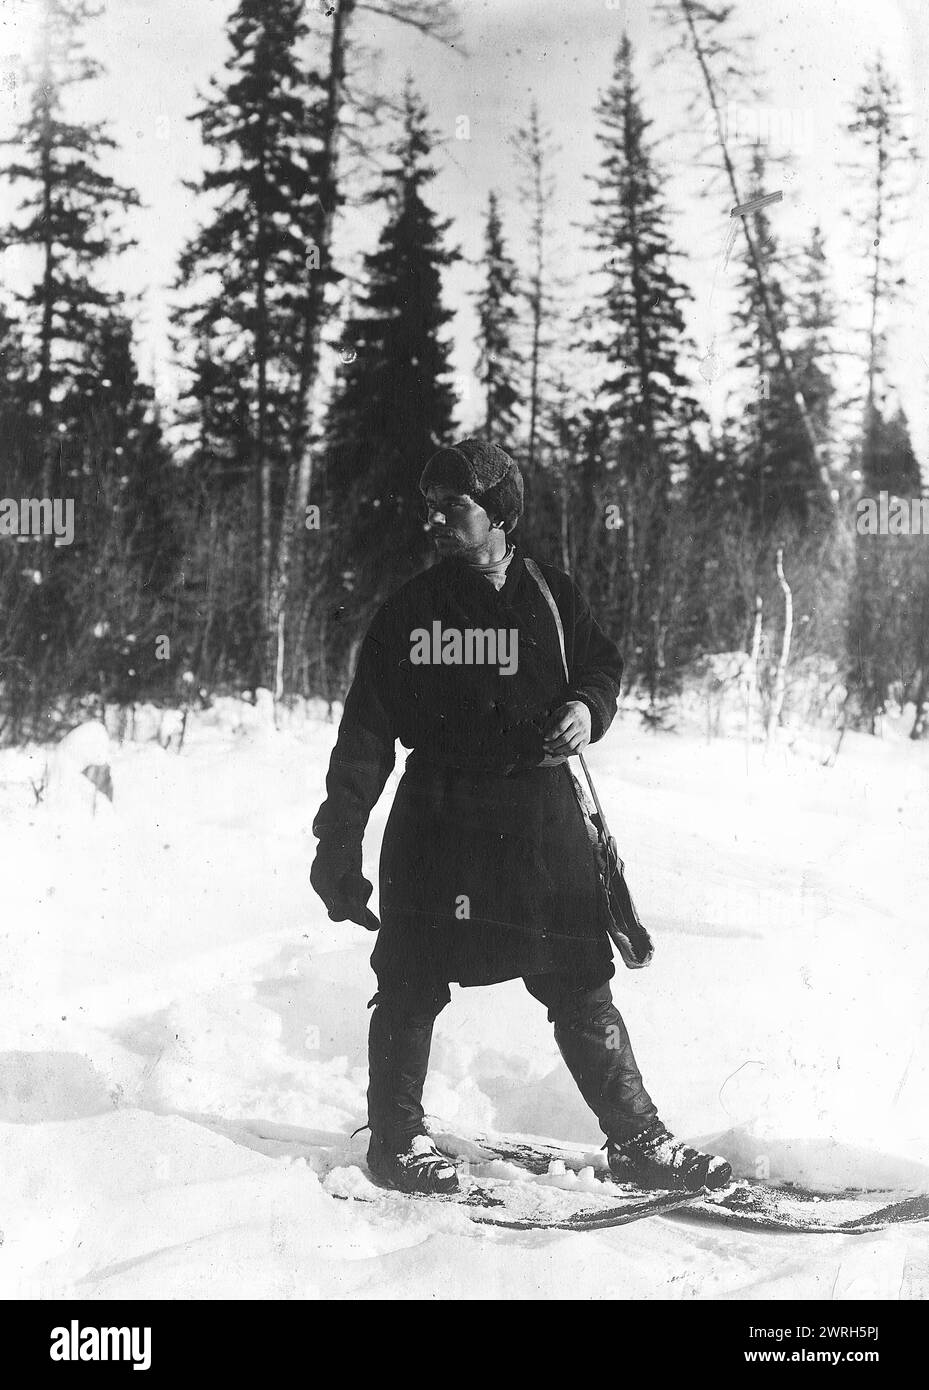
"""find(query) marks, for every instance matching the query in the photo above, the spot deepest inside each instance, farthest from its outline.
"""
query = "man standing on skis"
(487, 870)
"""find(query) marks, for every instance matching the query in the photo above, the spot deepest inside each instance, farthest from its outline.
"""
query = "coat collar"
(460, 580)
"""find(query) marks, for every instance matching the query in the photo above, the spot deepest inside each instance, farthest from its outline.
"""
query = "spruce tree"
(638, 343)
(497, 317)
(813, 307)
(887, 629)
(21, 447)
(880, 173)
(250, 267)
(893, 463)
(641, 337)
(780, 476)
(593, 486)
(124, 422)
(435, 19)
(394, 403)
(85, 419)
(17, 424)
(119, 580)
(712, 489)
(879, 618)
(535, 152)
(69, 211)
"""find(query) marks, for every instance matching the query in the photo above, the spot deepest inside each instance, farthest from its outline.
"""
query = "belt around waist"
(421, 762)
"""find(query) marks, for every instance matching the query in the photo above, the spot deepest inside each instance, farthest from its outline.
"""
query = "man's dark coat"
(487, 869)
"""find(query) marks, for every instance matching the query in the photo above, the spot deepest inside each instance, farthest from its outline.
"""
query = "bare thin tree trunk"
(780, 678)
(48, 274)
(565, 505)
(842, 724)
(921, 697)
(533, 155)
(876, 277)
(921, 720)
(279, 668)
(262, 461)
(752, 682)
(200, 661)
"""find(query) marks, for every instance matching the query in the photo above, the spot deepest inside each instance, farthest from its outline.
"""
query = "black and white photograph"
(464, 661)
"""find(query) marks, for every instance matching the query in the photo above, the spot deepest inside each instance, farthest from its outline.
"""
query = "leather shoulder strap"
(549, 597)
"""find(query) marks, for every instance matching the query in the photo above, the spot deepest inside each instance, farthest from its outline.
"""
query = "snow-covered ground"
(182, 1030)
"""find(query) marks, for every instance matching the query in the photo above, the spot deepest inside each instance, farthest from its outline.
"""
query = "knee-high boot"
(593, 1040)
(399, 1043)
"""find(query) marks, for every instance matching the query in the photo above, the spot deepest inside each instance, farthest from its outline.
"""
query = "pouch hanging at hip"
(624, 925)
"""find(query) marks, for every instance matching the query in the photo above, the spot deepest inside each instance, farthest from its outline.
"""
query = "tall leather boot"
(594, 1043)
(399, 1043)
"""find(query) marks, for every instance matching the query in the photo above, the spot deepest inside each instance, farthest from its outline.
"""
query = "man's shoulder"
(408, 596)
(558, 580)
(549, 570)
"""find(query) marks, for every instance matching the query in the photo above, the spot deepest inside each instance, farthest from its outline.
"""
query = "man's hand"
(568, 730)
(349, 903)
(345, 892)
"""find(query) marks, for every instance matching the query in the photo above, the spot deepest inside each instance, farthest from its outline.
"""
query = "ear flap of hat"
(505, 499)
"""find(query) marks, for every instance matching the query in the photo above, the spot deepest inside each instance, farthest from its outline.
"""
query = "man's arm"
(595, 665)
(361, 762)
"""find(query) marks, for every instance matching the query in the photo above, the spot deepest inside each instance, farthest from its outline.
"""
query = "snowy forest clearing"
(183, 1052)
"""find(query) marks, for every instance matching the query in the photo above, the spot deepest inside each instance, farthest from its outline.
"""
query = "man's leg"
(399, 1042)
(592, 1039)
(594, 1043)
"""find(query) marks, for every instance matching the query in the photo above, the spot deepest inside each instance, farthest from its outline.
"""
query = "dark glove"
(337, 878)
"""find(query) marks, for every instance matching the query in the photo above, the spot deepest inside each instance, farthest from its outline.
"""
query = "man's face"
(457, 524)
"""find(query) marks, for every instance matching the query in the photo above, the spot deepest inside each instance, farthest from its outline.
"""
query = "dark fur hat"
(481, 470)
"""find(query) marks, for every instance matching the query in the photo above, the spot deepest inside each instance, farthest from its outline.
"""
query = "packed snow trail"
(173, 994)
